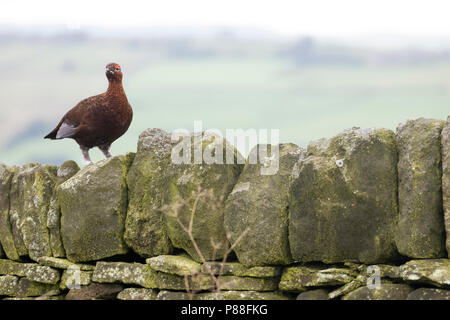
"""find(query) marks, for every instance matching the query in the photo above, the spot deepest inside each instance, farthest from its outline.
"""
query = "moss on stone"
(184, 182)
(179, 265)
(248, 283)
(8, 285)
(430, 271)
(31, 191)
(315, 294)
(93, 207)
(63, 264)
(299, 278)
(6, 234)
(223, 295)
(123, 272)
(28, 288)
(386, 291)
(192, 283)
(429, 294)
(258, 205)
(74, 277)
(32, 271)
(137, 294)
(67, 170)
(421, 232)
(241, 295)
(238, 269)
(445, 147)
(145, 230)
(335, 191)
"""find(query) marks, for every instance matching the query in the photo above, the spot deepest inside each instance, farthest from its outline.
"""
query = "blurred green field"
(247, 86)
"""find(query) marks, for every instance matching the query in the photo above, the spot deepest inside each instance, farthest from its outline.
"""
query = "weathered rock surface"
(8, 285)
(386, 291)
(238, 269)
(32, 271)
(299, 278)
(93, 210)
(358, 282)
(6, 235)
(127, 273)
(200, 189)
(174, 295)
(248, 283)
(431, 271)
(143, 275)
(67, 170)
(137, 294)
(31, 191)
(75, 278)
(28, 288)
(223, 295)
(445, 147)
(173, 282)
(346, 181)
(64, 264)
(317, 294)
(429, 294)
(145, 230)
(179, 265)
(241, 295)
(421, 232)
(258, 205)
(95, 291)
(22, 287)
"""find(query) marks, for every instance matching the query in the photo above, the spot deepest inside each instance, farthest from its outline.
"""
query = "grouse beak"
(109, 70)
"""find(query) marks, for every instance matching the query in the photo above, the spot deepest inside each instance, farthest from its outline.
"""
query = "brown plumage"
(99, 120)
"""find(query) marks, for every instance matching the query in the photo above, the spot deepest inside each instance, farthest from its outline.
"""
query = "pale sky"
(287, 17)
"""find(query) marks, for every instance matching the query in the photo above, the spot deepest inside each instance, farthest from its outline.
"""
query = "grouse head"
(114, 72)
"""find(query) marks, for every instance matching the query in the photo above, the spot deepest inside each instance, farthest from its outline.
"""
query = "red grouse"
(99, 120)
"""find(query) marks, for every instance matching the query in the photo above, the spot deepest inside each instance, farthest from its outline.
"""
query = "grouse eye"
(117, 69)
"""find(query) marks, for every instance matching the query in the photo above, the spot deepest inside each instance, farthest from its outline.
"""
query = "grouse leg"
(105, 149)
(86, 158)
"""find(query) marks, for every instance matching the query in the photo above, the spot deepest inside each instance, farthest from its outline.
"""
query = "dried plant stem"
(189, 231)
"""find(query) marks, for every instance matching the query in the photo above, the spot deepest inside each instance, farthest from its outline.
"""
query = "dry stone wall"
(362, 215)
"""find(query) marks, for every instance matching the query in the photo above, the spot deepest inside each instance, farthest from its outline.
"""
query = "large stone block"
(238, 269)
(386, 291)
(300, 278)
(67, 170)
(445, 145)
(144, 276)
(258, 205)
(429, 294)
(8, 285)
(127, 273)
(434, 272)
(198, 189)
(145, 230)
(343, 204)
(95, 291)
(179, 265)
(6, 235)
(31, 191)
(31, 271)
(421, 232)
(137, 294)
(93, 210)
